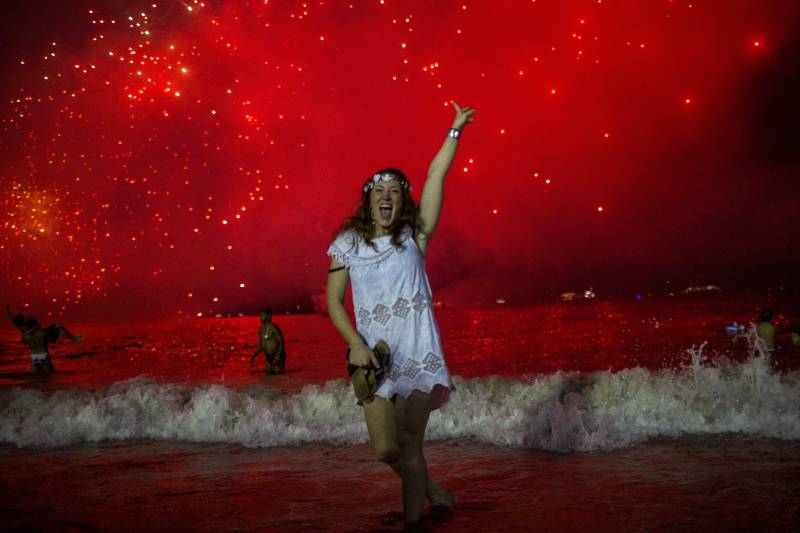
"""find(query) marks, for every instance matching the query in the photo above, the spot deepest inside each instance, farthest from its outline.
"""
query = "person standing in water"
(39, 338)
(270, 341)
(766, 329)
(381, 251)
(768, 332)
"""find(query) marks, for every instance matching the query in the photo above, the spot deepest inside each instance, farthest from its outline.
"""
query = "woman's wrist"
(356, 343)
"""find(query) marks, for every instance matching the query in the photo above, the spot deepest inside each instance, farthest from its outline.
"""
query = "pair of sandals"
(366, 380)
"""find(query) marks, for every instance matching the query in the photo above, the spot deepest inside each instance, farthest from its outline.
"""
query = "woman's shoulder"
(343, 246)
(346, 239)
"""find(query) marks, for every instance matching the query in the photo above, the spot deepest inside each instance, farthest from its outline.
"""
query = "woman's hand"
(362, 356)
(463, 116)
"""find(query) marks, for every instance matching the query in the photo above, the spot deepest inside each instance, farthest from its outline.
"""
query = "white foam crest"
(141, 409)
(605, 410)
(560, 412)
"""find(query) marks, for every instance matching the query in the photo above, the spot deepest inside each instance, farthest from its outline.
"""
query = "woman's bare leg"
(380, 416)
(411, 419)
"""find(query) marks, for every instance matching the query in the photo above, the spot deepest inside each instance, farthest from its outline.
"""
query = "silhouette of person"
(271, 342)
(38, 338)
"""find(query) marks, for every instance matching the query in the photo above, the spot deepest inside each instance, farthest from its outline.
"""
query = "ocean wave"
(563, 412)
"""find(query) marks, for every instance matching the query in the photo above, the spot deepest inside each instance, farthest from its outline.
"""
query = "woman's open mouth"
(385, 212)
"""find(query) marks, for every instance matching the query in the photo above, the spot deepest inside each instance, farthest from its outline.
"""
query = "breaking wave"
(563, 412)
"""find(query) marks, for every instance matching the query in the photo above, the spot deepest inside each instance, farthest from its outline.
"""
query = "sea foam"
(562, 412)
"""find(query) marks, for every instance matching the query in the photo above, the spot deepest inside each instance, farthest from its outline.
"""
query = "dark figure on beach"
(380, 251)
(38, 339)
(270, 341)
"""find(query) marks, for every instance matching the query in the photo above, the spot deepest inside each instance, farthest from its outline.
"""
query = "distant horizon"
(766, 295)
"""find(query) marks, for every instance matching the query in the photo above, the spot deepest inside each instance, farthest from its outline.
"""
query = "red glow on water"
(500, 340)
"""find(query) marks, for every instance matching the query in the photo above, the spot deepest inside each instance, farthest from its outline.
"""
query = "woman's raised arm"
(430, 204)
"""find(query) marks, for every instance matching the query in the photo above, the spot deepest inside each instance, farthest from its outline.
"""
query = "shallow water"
(506, 341)
(606, 414)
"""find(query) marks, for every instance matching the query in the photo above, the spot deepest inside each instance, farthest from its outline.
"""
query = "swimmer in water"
(38, 339)
(270, 341)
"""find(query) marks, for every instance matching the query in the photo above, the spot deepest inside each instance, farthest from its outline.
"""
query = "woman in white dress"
(381, 251)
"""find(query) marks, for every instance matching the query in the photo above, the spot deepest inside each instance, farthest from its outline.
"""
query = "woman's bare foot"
(440, 497)
(441, 505)
(392, 517)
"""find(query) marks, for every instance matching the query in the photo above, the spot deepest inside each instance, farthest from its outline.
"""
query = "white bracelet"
(455, 133)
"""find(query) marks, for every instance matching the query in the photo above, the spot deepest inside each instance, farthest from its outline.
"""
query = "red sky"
(150, 144)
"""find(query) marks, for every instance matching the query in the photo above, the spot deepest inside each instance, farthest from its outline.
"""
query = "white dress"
(392, 302)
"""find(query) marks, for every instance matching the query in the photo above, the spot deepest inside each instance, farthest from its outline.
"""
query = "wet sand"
(708, 483)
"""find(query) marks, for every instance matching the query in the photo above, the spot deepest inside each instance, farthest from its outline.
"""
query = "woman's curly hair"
(362, 223)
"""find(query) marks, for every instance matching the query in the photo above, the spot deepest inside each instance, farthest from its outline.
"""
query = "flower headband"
(386, 176)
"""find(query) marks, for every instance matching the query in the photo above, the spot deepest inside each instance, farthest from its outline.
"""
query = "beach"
(603, 414)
